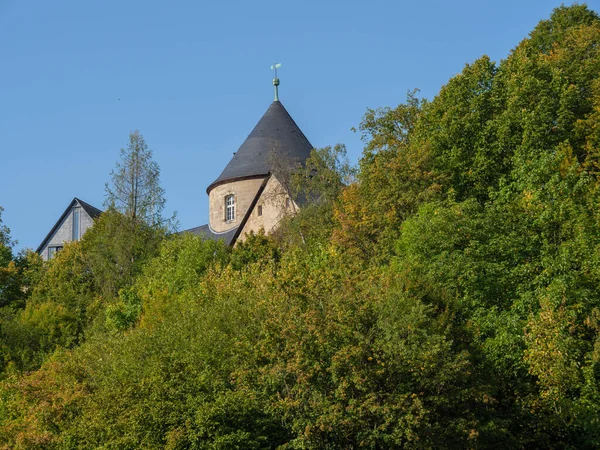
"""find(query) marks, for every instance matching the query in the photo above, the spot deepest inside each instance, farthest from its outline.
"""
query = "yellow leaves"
(43, 399)
(568, 161)
(473, 434)
(530, 202)
(552, 348)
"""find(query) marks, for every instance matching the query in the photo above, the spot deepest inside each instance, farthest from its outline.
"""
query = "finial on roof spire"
(276, 80)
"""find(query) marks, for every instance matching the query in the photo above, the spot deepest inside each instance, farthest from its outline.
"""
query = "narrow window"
(52, 251)
(229, 208)
(76, 224)
(287, 202)
(260, 210)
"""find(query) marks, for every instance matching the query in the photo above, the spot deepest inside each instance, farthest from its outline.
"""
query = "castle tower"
(250, 193)
(275, 140)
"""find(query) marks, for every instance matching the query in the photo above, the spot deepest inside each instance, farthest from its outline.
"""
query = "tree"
(116, 249)
(9, 273)
(316, 186)
(6, 243)
(395, 176)
(135, 187)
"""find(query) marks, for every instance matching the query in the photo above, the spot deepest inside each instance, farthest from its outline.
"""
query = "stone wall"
(273, 204)
(243, 191)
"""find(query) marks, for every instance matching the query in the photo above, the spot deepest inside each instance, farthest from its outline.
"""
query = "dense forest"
(445, 293)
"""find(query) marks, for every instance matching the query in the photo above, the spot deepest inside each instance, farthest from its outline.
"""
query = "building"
(250, 194)
(72, 224)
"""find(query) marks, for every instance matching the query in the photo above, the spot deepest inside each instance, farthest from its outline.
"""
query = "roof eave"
(214, 184)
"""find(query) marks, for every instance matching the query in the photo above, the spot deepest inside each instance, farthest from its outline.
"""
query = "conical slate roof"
(276, 135)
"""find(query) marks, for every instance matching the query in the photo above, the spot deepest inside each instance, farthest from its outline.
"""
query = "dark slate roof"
(204, 231)
(92, 211)
(275, 132)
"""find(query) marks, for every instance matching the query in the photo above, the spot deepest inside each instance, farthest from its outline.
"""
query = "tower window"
(260, 210)
(229, 208)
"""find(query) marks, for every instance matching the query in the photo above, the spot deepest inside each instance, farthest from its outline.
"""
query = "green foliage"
(346, 366)
(6, 243)
(180, 265)
(123, 314)
(116, 248)
(67, 295)
(322, 177)
(256, 248)
(60, 306)
(548, 33)
(10, 287)
(398, 167)
(306, 358)
(505, 219)
(462, 134)
(316, 186)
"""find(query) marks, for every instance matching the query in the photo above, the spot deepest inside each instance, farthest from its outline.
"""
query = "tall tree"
(8, 271)
(18, 273)
(6, 243)
(135, 188)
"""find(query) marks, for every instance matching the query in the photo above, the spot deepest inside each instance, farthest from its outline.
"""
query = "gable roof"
(92, 211)
(275, 132)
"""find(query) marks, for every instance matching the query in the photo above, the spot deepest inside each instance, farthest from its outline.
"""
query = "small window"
(260, 210)
(229, 208)
(52, 251)
(287, 202)
(76, 221)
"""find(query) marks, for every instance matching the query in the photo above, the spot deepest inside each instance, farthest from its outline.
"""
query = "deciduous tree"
(135, 188)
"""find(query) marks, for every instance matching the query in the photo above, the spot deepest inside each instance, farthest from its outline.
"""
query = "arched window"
(229, 208)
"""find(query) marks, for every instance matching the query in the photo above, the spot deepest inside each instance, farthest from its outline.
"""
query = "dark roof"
(276, 132)
(92, 211)
(205, 232)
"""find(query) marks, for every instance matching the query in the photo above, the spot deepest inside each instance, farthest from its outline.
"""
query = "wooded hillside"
(444, 294)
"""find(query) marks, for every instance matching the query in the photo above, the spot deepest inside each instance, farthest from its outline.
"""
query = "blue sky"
(77, 76)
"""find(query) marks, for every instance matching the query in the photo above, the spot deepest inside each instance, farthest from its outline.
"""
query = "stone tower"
(250, 193)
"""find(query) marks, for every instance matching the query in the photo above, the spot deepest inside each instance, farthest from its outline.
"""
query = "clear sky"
(194, 77)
